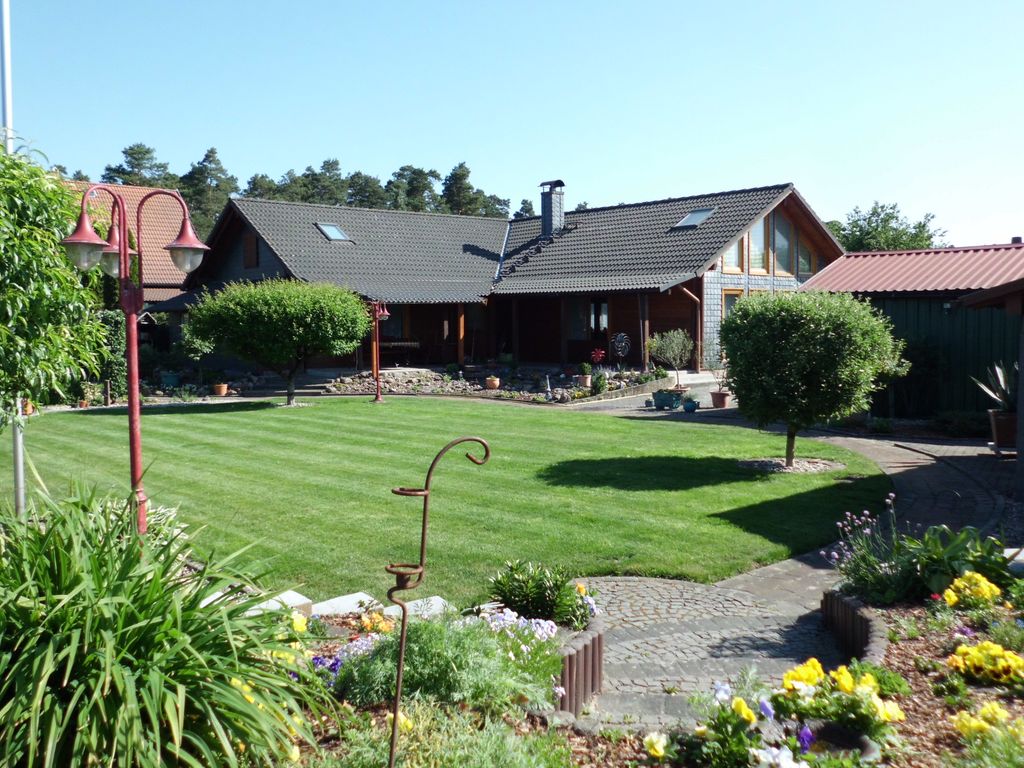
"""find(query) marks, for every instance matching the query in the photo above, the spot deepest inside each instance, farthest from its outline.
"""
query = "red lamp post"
(86, 249)
(378, 311)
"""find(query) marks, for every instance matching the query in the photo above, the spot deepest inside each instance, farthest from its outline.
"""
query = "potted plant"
(219, 390)
(716, 363)
(673, 348)
(88, 393)
(668, 398)
(586, 369)
(492, 382)
(1002, 389)
(690, 404)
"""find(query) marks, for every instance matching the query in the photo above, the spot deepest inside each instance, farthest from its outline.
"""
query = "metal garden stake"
(410, 575)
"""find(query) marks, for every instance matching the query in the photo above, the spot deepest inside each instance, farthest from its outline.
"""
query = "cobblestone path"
(666, 639)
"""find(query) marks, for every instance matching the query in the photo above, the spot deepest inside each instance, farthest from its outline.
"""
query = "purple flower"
(805, 738)
(765, 708)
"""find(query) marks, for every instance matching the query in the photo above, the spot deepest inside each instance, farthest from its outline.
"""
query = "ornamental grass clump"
(113, 651)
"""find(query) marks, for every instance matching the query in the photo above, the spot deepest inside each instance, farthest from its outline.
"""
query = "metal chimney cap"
(554, 183)
(1016, 240)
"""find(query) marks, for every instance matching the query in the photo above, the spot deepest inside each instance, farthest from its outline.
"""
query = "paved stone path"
(666, 639)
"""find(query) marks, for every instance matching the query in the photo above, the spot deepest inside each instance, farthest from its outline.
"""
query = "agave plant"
(1002, 386)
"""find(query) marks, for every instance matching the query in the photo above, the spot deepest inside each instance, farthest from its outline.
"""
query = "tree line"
(207, 186)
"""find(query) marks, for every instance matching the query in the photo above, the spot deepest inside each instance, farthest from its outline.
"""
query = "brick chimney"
(552, 207)
(1016, 240)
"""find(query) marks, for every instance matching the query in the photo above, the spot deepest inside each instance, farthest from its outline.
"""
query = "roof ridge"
(779, 187)
(371, 210)
(947, 249)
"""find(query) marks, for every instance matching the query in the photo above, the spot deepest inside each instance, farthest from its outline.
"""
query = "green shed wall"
(947, 347)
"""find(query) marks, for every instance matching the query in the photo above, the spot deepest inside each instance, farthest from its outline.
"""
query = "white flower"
(723, 692)
(773, 757)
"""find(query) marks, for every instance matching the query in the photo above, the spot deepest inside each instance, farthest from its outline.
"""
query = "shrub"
(451, 661)
(804, 358)
(586, 369)
(673, 348)
(536, 592)
(598, 384)
(444, 738)
(108, 654)
(115, 367)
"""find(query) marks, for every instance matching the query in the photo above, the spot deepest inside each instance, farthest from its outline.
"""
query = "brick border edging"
(857, 628)
(582, 667)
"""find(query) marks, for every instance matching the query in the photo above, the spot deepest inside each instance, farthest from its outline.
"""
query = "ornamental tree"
(673, 348)
(278, 324)
(804, 358)
(49, 335)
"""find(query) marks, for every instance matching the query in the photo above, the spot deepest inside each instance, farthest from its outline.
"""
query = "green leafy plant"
(724, 740)
(114, 651)
(585, 369)
(953, 689)
(1001, 386)
(673, 348)
(599, 383)
(536, 592)
(438, 737)
(941, 555)
(890, 683)
(804, 358)
(1009, 634)
(450, 661)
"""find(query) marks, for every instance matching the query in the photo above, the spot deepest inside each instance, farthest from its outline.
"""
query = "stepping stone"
(357, 602)
(291, 599)
(425, 608)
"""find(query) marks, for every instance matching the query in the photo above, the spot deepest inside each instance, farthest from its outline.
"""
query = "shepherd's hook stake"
(408, 576)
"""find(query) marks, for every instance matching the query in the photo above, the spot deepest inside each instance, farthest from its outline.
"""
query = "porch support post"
(700, 329)
(460, 334)
(563, 331)
(645, 330)
(515, 330)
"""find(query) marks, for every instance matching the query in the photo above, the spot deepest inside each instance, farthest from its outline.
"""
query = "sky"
(916, 103)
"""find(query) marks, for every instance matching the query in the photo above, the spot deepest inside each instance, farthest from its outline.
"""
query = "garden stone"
(424, 608)
(357, 602)
(1017, 563)
(291, 599)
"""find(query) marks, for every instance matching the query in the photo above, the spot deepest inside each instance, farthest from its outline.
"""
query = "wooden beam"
(645, 330)
(460, 334)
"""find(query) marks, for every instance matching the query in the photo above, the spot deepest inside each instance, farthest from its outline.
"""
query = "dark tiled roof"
(628, 247)
(396, 256)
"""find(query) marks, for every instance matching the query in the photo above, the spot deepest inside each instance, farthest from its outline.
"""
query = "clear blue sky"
(918, 103)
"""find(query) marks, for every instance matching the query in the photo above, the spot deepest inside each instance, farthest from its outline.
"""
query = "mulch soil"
(928, 734)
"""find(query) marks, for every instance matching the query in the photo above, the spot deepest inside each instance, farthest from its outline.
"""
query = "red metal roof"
(161, 220)
(940, 269)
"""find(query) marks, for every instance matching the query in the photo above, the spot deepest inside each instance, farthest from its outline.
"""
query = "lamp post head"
(110, 260)
(187, 250)
(83, 246)
(380, 310)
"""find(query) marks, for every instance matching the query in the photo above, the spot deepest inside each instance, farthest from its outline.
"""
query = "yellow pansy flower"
(656, 743)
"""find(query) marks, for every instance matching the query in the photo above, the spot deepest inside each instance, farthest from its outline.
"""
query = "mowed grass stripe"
(594, 493)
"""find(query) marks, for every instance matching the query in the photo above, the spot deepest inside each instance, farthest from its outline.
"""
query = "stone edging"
(615, 394)
(858, 629)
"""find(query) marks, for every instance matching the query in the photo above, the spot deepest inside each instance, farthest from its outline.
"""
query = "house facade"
(545, 289)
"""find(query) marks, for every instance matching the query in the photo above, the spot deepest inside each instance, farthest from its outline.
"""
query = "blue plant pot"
(670, 400)
(690, 406)
(170, 380)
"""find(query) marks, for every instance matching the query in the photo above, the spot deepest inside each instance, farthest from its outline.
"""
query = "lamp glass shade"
(186, 259)
(85, 256)
(110, 263)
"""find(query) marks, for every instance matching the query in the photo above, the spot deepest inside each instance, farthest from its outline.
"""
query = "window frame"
(739, 293)
(803, 242)
(766, 262)
(740, 247)
(793, 259)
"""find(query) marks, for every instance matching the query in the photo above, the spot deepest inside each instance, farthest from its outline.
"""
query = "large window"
(732, 259)
(598, 317)
(782, 244)
(806, 258)
(577, 310)
(758, 250)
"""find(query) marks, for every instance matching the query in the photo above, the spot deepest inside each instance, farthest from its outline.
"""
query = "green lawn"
(600, 495)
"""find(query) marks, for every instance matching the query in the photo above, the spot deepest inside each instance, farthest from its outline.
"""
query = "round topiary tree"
(803, 358)
(673, 348)
(278, 323)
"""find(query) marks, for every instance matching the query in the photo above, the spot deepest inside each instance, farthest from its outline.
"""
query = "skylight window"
(332, 231)
(694, 218)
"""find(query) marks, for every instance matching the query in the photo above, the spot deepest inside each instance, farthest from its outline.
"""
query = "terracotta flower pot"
(83, 403)
(720, 399)
(585, 380)
(493, 382)
(27, 408)
(219, 390)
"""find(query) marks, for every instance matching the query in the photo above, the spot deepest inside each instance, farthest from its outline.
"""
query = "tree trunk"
(291, 388)
(790, 445)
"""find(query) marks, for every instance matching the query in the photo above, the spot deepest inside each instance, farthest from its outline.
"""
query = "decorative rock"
(291, 599)
(425, 608)
(357, 602)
